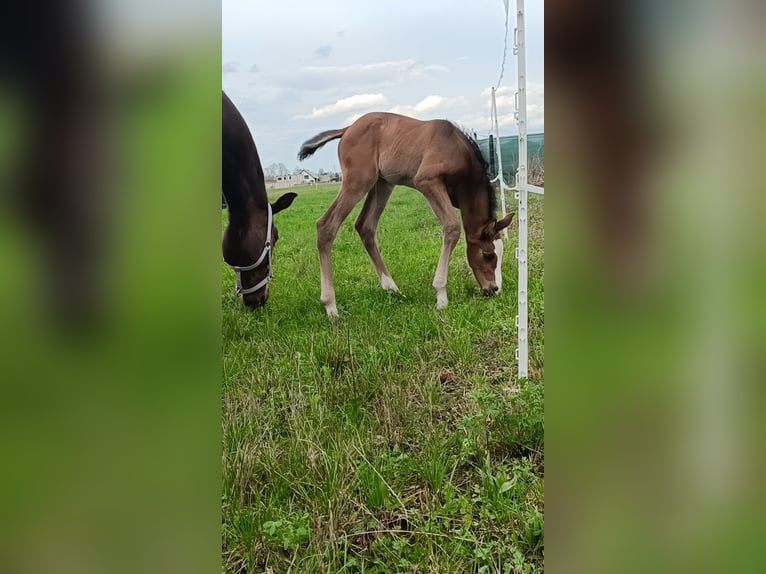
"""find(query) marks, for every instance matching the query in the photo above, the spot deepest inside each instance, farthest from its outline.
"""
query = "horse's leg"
(436, 194)
(351, 192)
(367, 227)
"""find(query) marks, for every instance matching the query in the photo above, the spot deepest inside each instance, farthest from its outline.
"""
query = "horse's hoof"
(332, 312)
(441, 304)
(388, 284)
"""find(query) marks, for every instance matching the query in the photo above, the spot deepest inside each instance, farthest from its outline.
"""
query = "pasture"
(396, 439)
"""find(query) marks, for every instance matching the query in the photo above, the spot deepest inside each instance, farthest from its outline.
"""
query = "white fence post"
(522, 319)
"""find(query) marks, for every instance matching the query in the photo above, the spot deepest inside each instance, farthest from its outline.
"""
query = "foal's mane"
(491, 198)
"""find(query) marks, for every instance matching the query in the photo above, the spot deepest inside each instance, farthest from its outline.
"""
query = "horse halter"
(265, 254)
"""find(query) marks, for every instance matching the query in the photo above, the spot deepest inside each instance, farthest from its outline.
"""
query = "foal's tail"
(310, 146)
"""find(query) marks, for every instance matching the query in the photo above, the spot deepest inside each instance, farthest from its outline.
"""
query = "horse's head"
(248, 250)
(485, 252)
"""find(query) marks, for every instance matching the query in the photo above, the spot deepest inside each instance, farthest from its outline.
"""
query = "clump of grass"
(397, 439)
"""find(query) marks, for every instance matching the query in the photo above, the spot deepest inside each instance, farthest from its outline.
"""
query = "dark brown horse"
(250, 237)
(381, 150)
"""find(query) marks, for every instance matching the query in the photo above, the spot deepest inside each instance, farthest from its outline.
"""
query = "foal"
(381, 150)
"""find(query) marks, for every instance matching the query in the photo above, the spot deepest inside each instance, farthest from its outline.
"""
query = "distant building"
(330, 178)
(300, 177)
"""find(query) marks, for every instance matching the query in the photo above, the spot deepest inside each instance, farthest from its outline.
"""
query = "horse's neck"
(243, 209)
(473, 212)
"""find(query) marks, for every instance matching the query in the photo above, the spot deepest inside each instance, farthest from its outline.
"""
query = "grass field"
(397, 439)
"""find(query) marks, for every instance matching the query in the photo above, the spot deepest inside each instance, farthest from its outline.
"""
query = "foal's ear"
(492, 228)
(283, 202)
(504, 222)
(488, 230)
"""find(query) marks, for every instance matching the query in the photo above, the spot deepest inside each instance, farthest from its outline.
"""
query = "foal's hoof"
(441, 304)
(388, 284)
(332, 312)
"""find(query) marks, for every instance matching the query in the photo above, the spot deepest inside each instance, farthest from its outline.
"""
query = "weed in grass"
(435, 462)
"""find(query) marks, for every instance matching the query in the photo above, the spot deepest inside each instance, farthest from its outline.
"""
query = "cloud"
(352, 103)
(483, 124)
(230, 67)
(501, 91)
(409, 66)
(361, 76)
(428, 106)
(254, 69)
(506, 106)
(323, 52)
(505, 98)
(319, 84)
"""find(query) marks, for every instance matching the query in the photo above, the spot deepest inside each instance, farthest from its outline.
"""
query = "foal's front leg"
(437, 197)
(450, 235)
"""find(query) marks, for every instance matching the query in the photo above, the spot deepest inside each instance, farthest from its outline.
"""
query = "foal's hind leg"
(351, 192)
(436, 194)
(367, 227)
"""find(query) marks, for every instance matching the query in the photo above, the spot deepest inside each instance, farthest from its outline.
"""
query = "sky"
(295, 68)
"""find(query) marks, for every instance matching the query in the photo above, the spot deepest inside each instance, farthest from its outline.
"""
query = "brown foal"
(381, 150)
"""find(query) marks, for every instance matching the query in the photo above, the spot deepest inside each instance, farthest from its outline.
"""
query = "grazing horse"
(250, 236)
(381, 150)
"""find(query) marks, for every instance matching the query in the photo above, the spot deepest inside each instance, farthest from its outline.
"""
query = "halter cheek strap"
(265, 255)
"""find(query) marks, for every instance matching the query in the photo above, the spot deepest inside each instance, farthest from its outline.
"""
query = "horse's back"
(400, 146)
(389, 128)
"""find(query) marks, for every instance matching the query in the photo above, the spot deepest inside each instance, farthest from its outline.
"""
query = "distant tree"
(275, 169)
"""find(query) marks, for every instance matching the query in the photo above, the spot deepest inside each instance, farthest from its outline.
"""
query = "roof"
(304, 170)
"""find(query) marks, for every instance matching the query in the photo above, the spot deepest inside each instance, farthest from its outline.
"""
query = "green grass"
(397, 439)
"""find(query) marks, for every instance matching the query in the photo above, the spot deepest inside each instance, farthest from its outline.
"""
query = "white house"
(300, 177)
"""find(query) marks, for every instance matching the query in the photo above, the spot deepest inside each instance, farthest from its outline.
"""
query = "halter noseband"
(265, 254)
